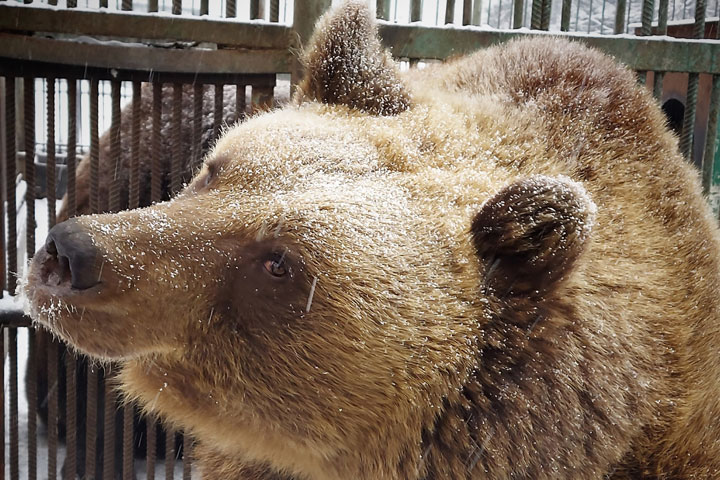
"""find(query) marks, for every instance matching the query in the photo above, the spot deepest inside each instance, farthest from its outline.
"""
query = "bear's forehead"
(295, 145)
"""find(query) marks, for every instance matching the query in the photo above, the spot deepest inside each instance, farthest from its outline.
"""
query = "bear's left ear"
(345, 64)
(531, 233)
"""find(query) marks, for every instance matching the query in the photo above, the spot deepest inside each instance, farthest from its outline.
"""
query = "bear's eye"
(276, 266)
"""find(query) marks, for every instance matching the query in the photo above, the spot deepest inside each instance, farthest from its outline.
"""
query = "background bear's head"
(320, 286)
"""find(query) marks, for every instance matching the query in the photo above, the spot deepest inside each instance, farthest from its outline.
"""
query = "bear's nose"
(72, 255)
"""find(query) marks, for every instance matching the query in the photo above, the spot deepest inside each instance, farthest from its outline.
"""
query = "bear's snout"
(70, 255)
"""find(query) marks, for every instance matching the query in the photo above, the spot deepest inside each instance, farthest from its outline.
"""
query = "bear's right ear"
(346, 65)
(531, 233)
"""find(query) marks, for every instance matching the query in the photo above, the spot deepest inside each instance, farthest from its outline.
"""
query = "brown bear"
(499, 267)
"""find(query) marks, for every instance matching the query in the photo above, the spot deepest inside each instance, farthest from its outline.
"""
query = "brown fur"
(511, 274)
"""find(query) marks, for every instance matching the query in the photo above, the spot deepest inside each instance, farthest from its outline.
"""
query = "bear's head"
(310, 294)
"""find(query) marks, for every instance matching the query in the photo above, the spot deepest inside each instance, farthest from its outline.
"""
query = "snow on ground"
(13, 303)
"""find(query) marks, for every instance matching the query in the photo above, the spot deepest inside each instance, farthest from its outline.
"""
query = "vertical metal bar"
(476, 12)
(10, 177)
(565, 15)
(240, 102)
(2, 401)
(518, 7)
(70, 362)
(127, 4)
(262, 97)
(187, 456)
(134, 192)
(29, 107)
(648, 6)
(50, 162)
(14, 427)
(546, 11)
(204, 7)
(218, 111)
(94, 149)
(198, 97)
(31, 379)
(52, 367)
(156, 168)
(177, 154)
(72, 144)
(467, 12)
(712, 152)
(687, 135)
(536, 19)
(275, 10)
(153, 6)
(662, 17)
(590, 12)
(257, 9)
(415, 10)
(449, 11)
(658, 85)
(711, 137)
(382, 9)
(230, 9)
(169, 454)
(115, 152)
(31, 394)
(127, 448)
(662, 30)
(151, 446)
(3, 246)
(176, 7)
(628, 15)
(620, 17)
(91, 421)
(602, 17)
(109, 429)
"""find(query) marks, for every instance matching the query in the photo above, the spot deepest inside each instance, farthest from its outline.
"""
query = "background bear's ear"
(530, 234)
(345, 64)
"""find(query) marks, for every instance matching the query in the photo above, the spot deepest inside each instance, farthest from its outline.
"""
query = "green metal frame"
(270, 48)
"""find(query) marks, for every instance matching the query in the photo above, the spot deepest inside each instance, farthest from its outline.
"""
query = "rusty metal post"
(257, 9)
(230, 9)
(50, 162)
(518, 7)
(169, 453)
(565, 15)
(156, 166)
(449, 11)
(151, 446)
(416, 7)
(176, 139)
(94, 149)
(620, 17)
(662, 30)
(10, 176)
(134, 192)
(687, 135)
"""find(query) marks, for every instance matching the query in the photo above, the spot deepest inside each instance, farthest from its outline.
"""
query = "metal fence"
(149, 85)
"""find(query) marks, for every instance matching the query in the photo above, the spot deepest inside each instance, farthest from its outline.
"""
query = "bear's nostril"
(50, 247)
(72, 258)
